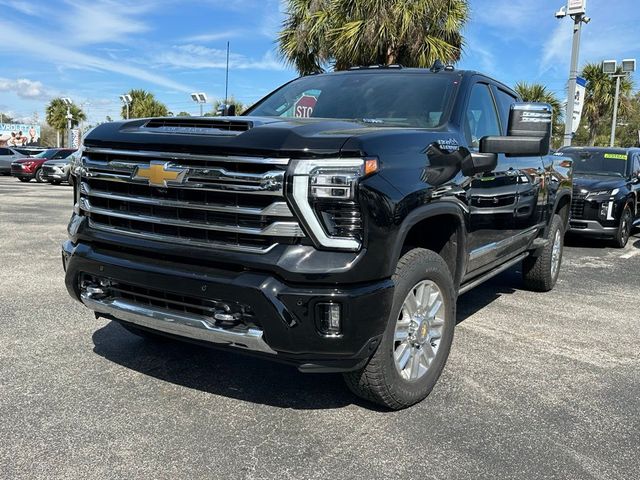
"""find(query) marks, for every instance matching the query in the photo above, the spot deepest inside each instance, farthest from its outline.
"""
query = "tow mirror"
(478, 163)
(227, 110)
(528, 133)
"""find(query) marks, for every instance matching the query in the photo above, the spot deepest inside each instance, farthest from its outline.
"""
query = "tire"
(383, 380)
(24, 179)
(39, 176)
(624, 229)
(142, 333)
(55, 182)
(540, 273)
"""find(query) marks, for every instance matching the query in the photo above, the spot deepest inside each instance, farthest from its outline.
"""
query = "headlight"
(603, 193)
(324, 195)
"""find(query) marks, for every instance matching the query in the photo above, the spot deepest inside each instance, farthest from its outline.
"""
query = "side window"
(505, 100)
(481, 118)
(636, 163)
(5, 151)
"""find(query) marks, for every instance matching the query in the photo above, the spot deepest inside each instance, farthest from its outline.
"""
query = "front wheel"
(624, 230)
(416, 343)
(541, 273)
(39, 176)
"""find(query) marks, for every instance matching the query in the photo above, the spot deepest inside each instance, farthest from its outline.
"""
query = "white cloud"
(27, 8)
(24, 88)
(197, 56)
(42, 48)
(103, 21)
(214, 36)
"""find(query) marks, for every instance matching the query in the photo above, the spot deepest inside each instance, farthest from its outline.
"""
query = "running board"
(483, 278)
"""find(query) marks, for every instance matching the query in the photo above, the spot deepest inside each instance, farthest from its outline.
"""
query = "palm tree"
(144, 104)
(536, 92)
(599, 98)
(56, 116)
(346, 33)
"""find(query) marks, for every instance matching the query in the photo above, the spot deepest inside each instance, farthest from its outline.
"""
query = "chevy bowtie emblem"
(159, 173)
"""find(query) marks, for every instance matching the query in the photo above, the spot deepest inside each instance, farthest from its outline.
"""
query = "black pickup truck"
(331, 227)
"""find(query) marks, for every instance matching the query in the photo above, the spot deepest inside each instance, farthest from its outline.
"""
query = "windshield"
(598, 162)
(46, 154)
(415, 100)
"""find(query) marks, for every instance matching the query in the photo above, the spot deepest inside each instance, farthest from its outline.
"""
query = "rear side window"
(5, 151)
(62, 154)
(481, 118)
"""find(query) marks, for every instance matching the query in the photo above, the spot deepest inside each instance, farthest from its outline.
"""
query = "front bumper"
(285, 313)
(55, 173)
(592, 228)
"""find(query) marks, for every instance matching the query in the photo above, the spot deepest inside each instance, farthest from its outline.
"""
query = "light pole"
(200, 98)
(127, 100)
(576, 9)
(610, 67)
(68, 103)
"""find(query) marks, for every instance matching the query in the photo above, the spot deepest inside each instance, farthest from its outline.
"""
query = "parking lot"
(537, 385)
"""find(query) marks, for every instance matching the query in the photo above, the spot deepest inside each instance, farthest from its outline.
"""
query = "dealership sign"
(576, 7)
(19, 135)
(578, 102)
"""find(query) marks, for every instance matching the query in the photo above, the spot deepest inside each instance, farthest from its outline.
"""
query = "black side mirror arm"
(477, 162)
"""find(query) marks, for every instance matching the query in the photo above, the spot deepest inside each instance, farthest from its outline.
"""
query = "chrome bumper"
(184, 325)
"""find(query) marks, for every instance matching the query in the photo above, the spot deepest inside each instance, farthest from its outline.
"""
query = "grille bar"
(276, 229)
(276, 209)
(186, 156)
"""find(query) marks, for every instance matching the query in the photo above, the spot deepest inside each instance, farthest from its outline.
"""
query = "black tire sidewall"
(620, 240)
(39, 176)
(429, 267)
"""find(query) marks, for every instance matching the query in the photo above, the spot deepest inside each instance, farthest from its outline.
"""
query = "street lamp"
(610, 67)
(200, 98)
(127, 100)
(67, 101)
(576, 9)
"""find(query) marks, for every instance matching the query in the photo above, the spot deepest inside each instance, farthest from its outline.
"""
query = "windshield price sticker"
(617, 156)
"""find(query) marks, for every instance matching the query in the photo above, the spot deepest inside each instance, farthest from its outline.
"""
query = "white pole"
(615, 113)
(573, 75)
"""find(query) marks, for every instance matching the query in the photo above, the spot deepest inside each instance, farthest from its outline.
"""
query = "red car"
(27, 168)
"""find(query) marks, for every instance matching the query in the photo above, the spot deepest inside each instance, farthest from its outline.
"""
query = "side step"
(483, 278)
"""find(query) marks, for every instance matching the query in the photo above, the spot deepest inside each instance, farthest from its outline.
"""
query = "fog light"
(328, 318)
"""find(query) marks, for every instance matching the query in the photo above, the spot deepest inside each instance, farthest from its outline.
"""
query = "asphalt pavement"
(537, 385)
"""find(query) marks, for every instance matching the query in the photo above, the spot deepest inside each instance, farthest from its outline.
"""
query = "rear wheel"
(624, 230)
(416, 343)
(39, 176)
(541, 273)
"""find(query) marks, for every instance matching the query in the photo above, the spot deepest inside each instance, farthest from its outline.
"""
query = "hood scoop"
(197, 126)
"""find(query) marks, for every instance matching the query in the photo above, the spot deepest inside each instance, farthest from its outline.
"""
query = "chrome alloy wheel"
(556, 253)
(419, 329)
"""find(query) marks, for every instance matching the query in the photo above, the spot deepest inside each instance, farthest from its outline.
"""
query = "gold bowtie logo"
(159, 173)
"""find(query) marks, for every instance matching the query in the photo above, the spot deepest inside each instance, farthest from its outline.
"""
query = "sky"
(93, 51)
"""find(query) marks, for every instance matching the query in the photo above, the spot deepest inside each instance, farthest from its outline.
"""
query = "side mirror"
(528, 133)
(478, 163)
(227, 110)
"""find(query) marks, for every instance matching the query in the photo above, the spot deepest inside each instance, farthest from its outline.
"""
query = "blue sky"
(92, 51)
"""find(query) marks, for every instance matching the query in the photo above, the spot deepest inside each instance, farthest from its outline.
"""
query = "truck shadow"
(483, 295)
(223, 372)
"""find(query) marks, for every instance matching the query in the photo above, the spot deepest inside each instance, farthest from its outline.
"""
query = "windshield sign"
(598, 162)
(366, 97)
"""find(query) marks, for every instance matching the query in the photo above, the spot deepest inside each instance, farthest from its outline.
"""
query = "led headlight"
(603, 193)
(324, 195)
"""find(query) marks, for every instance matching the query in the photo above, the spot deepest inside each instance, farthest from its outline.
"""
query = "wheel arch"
(449, 242)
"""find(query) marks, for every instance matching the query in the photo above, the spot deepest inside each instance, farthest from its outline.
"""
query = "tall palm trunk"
(58, 138)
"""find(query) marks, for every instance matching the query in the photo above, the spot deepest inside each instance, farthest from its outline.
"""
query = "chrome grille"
(233, 203)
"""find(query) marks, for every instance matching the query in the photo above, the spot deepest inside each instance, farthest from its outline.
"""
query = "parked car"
(8, 155)
(606, 186)
(29, 168)
(57, 171)
(331, 227)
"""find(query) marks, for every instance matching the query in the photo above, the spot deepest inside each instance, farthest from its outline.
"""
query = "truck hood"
(231, 135)
(595, 183)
